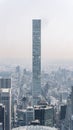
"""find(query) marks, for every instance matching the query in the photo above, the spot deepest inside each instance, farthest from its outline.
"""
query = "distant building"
(5, 99)
(36, 58)
(63, 112)
(2, 117)
(17, 69)
(67, 121)
(5, 83)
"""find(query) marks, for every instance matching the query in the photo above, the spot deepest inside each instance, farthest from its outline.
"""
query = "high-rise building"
(45, 115)
(1, 126)
(29, 115)
(5, 99)
(2, 117)
(36, 59)
(72, 109)
(5, 83)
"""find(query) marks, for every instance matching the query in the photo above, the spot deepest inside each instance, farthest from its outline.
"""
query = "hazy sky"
(16, 29)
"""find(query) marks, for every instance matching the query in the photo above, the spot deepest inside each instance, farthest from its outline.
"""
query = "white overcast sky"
(16, 29)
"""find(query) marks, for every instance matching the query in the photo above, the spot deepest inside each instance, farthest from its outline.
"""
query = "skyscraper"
(72, 109)
(2, 116)
(45, 114)
(1, 126)
(36, 59)
(5, 99)
(29, 115)
(5, 83)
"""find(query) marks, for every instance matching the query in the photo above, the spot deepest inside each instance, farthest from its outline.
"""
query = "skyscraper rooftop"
(35, 128)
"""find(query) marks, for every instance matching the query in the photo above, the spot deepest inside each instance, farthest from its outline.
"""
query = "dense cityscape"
(36, 99)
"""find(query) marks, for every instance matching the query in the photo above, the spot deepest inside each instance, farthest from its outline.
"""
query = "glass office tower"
(5, 99)
(36, 60)
(5, 83)
(2, 117)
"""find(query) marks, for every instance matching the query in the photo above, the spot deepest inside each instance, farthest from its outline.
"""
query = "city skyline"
(16, 29)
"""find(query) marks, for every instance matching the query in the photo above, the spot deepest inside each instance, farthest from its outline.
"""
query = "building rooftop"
(29, 108)
(21, 110)
(43, 107)
(35, 128)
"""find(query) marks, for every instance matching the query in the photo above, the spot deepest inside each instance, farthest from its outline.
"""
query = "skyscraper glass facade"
(5, 99)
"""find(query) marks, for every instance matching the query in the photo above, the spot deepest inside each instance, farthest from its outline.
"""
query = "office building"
(2, 117)
(72, 109)
(63, 112)
(67, 122)
(5, 99)
(1, 126)
(5, 83)
(36, 59)
(17, 69)
(29, 115)
(45, 115)
(21, 117)
(25, 116)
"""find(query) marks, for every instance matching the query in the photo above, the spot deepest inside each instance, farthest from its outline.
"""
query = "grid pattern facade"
(2, 117)
(5, 83)
(36, 67)
(5, 99)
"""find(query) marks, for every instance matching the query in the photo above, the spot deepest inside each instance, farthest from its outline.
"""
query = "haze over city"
(16, 30)
(36, 65)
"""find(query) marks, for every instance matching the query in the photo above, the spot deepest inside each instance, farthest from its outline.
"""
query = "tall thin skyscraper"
(36, 59)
